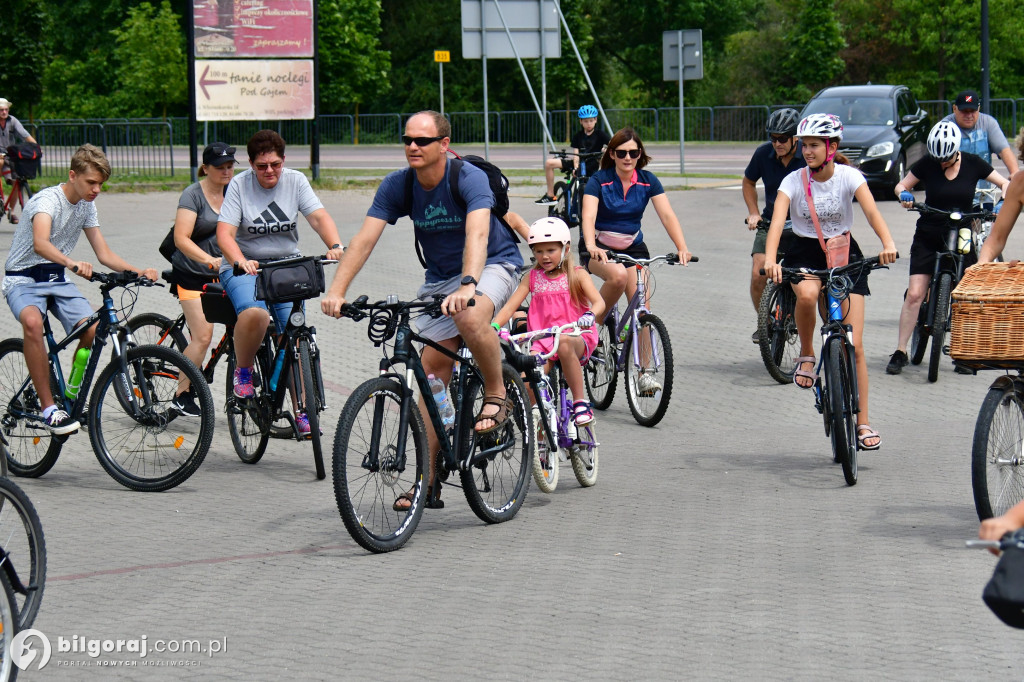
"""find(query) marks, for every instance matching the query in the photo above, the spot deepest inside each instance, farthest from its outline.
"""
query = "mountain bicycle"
(569, 192)
(636, 343)
(18, 193)
(776, 327)
(381, 422)
(835, 391)
(934, 316)
(295, 363)
(558, 437)
(131, 423)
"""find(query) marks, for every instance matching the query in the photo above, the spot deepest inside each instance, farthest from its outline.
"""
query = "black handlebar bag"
(1004, 593)
(291, 279)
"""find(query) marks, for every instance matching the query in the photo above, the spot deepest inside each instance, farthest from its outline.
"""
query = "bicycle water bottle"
(625, 331)
(278, 366)
(77, 373)
(964, 238)
(444, 406)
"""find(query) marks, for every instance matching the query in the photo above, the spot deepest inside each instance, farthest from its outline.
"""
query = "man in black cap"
(981, 133)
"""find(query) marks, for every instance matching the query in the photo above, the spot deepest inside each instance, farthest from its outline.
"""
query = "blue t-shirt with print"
(440, 223)
(618, 213)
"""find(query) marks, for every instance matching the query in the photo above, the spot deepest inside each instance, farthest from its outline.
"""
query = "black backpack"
(495, 178)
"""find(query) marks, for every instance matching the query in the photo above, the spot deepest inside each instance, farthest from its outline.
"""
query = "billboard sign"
(253, 28)
(254, 90)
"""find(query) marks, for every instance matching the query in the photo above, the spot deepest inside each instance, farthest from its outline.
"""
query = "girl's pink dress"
(551, 305)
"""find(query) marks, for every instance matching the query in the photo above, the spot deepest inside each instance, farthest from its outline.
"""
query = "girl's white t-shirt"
(833, 201)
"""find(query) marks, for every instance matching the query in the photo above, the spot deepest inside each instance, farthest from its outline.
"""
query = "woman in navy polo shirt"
(613, 207)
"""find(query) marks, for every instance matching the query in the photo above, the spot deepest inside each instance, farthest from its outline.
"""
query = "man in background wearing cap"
(8, 125)
(981, 134)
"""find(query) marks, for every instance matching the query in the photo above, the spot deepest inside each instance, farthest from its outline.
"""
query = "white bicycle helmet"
(550, 229)
(826, 126)
(944, 141)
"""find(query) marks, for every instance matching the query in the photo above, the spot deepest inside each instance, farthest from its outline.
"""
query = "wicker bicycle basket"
(988, 314)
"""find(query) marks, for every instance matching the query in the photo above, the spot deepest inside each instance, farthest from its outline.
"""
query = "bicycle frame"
(949, 261)
(631, 316)
(834, 331)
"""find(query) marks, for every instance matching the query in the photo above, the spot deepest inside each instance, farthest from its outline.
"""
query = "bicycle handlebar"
(323, 260)
(670, 258)
(518, 341)
(952, 215)
(121, 279)
(361, 307)
(583, 155)
(799, 274)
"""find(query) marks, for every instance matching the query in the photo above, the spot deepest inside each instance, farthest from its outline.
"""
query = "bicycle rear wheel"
(939, 325)
(545, 459)
(649, 384)
(600, 372)
(496, 483)
(249, 419)
(158, 330)
(844, 421)
(311, 404)
(919, 338)
(31, 450)
(370, 473)
(997, 464)
(8, 629)
(776, 331)
(23, 550)
(151, 450)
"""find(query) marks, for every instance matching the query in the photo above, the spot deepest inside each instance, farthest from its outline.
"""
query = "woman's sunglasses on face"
(622, 153)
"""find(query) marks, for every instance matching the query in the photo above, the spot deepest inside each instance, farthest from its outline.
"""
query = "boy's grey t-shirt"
(68, 221)
(266, 218)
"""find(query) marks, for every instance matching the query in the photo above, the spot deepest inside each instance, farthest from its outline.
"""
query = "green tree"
(814, 46)
(353, 67)
(150, 53)
(23, 54)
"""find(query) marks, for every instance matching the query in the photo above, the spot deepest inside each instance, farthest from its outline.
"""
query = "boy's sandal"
(499, 418)
(803, 373)
(404, 501)
(864, 431)
(581, 413)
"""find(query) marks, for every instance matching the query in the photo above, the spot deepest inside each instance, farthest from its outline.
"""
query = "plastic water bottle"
(278, 366)
(444, 405)
(625, 331)
(77, 373)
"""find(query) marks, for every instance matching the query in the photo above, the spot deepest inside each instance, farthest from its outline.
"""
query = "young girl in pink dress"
(562, 293)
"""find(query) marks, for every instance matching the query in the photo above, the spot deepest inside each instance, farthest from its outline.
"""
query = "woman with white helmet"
(832, 185)
(562, 293)
(950, 178)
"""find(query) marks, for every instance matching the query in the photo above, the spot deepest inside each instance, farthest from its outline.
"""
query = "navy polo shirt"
(618, 213)
(765, 166)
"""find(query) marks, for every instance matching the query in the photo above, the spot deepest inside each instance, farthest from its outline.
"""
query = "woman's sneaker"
(897, 362)
(302, 425)
(186, 406)
(242, 383)
(647, 385)
(60, 423)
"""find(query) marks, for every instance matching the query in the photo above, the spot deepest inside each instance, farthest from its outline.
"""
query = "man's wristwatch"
(335, 246)
(469, 279)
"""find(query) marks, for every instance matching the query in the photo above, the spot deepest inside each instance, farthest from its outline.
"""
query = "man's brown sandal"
(499, 418)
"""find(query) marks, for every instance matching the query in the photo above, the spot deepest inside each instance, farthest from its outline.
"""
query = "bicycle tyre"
(584, 458)
(939, 325)
(32, 450)
(24, 550)
(248, 420)
(560, 209)
(844, 421)
(312, 406)
(648, 410)
(496, 488)
(600, 372)
(776, 332)
(997, 469)
(546, 461)
(156, 329)
(365, 497)
(156, 452)
(919, 337)
(8, 629)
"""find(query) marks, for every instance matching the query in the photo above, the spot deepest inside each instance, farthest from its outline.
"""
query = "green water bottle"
(77, 373)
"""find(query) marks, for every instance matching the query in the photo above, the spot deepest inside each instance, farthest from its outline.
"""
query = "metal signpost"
(682, 47)
(441, 57)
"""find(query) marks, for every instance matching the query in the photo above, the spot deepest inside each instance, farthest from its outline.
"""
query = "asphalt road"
(722, 544)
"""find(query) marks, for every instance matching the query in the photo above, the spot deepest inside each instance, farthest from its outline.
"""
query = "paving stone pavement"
(721, 544)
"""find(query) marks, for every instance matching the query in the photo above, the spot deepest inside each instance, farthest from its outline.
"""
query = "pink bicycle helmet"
(550, 229)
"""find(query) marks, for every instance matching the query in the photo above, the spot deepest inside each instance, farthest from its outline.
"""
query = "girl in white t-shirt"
(834, 185)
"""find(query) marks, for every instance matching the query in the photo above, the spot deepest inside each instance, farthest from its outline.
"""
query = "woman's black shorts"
(805, 252)
(638, 250)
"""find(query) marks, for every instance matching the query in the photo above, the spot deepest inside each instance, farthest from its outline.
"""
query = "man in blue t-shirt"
(468, 253)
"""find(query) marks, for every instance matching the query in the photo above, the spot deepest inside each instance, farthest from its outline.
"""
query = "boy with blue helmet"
(589, 139)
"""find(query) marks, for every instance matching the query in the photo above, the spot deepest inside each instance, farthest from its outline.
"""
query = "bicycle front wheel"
(649, 381)
(844, 421)
(920, 336)
(249, 421)
(997, 457)
(939, 325)
(8, 628)
(496, 482)
(776, 331)
(31, 450)
(156, 329)
(24, 550)
(560, 209)
(600, 372)
(142, 443)
(545, 458)
(311, 404)
(370, 472)
(584, 455)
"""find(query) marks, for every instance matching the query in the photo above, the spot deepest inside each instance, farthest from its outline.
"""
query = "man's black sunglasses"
(421, 141)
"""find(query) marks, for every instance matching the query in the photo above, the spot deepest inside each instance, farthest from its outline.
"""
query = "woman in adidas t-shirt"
(833, 187)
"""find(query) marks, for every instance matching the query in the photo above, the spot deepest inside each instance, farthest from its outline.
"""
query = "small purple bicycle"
(558, 436)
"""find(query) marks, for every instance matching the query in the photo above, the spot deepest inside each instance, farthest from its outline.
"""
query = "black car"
(884, 129)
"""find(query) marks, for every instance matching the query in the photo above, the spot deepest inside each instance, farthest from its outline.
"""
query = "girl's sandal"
(864, 431)
(499, 418)
(581, 413)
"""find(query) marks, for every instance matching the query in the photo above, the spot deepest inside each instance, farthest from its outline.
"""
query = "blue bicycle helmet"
(588, 111)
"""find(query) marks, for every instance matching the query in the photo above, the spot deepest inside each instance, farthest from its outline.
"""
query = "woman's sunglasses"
(621, 153)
